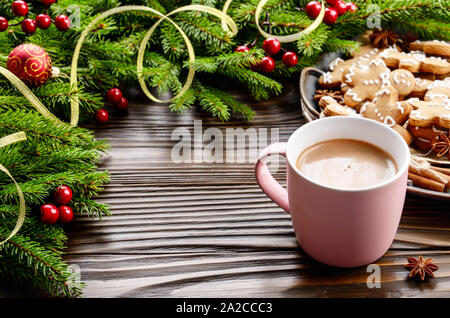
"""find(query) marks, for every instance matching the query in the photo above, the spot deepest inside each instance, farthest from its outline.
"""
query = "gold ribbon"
(291, 37)
(5, 141)
(75, 102)
(140, 60)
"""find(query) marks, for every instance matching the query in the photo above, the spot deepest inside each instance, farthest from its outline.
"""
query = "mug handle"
(268, 184)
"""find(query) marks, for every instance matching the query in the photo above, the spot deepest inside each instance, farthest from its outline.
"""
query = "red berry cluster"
(338, 8)
(115, 97)
(272, 47)
(50, 213)
(42, 21)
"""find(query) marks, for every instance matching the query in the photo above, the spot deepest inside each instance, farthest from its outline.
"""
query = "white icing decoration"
(354, 96)
(349, 75)
(390, 121)
(327, 78)
(335, 63)
(423, 139)
(400, 107)
(385, 79)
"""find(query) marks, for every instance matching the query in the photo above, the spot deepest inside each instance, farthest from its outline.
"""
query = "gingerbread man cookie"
(430, 113)
(365, 78)
(438, 90)
(435, 47)
(386, 108)
(415, 61)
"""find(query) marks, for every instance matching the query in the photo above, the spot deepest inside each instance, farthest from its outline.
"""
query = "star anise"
(382, 38)
(337, 95)
(420, 267)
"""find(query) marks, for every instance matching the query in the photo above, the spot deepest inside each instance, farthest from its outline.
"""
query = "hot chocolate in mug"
(340, 227)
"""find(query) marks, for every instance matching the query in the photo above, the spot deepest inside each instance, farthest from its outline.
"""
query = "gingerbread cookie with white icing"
(435, 47)
(386, 108)
(365, 79)
(333, 78)
(415, 62)
(430, 113)
(438, 90)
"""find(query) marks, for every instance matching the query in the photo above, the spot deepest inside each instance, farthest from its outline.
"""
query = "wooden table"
(207, 230)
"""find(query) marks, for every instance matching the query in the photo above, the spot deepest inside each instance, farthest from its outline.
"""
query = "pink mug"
(339, 227)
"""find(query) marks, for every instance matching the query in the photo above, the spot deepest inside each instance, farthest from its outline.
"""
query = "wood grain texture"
(207, 230)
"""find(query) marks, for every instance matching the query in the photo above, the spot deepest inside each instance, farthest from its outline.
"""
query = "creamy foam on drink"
(346, 164)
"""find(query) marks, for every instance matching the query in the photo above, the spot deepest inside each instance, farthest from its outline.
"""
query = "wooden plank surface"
(207, 230)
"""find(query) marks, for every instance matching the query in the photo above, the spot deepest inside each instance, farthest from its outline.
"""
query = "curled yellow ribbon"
(290, 37)
(75, 109)
(140, 60)
(5, 141)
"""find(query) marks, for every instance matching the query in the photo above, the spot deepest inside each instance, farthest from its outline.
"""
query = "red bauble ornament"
(290, 59)
(114, 95)
(30, 63)
(43, 21)
(3, 24)
(331, 16)
(271, 46)
(48, 2)
(351, 7)
(101, 116)
(242, 48)
(49, 214)
(267, 64)
(313, 9)
(65, 214)
(341, 7)
(28, 26)
(122, 104)
(19, 8)
(63, 194)
(62, 22)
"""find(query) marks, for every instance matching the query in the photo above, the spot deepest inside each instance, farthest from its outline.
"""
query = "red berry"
(351, 7)
(101, 116)
(28, 26)
(122, 104)
(332, 2)
(48, 2)
(242, 48)
(63, 194)
(267, 64)
(290, 59)
(331, 16)
(62, 22)
(272, 46)
(65, 214)
(3, 24)
(19, 8)
(114, 95)
(313, 9)
(43, 21)
(49, 214)
(341, 7)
